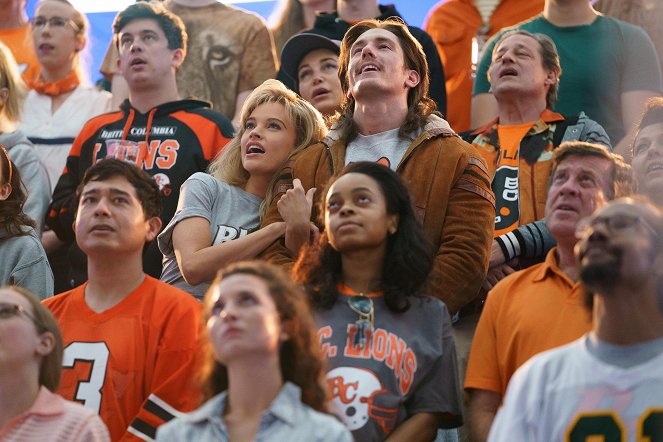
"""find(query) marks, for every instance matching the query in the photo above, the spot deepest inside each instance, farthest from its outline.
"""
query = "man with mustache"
(607, 385)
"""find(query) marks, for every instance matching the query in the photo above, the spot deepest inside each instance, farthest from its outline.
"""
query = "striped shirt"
(55, 419)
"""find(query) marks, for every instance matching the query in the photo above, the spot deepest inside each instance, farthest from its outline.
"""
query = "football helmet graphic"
(353, 393)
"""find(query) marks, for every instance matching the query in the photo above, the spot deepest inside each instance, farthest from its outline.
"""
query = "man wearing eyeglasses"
(607, 385)
(541, 307)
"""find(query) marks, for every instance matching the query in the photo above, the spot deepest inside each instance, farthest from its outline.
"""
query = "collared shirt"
(55, 419)
(530, 311)
(287, 419)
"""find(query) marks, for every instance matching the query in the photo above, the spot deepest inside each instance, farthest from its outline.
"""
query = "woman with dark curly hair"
(262, 369)
(391, 353)
(24, 261)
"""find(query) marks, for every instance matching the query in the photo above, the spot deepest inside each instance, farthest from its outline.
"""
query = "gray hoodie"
(23, 262)
(24, 156)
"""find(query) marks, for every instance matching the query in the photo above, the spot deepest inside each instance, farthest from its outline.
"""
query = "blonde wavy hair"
(10, 78)
(308, 122)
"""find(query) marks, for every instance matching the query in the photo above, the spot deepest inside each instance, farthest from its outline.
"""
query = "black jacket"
(170, 142)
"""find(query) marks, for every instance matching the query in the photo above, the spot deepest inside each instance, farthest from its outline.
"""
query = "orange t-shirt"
(19, 42)
(506, 162)
(528, 312)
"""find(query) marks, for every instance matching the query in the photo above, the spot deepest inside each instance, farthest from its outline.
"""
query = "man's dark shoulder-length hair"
(419, 104)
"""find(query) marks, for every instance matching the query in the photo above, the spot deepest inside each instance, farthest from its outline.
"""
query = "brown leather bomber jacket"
(451, 193)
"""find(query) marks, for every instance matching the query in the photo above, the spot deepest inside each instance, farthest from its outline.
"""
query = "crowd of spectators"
(336, 226)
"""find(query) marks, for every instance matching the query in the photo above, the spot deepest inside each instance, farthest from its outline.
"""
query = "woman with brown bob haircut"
(30, 366)
(262, 369)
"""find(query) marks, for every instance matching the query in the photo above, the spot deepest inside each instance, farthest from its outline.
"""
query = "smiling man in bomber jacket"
(166, 136)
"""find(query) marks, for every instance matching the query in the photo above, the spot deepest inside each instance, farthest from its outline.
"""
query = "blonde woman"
(218, 214)
(19, 148)
(30, 366)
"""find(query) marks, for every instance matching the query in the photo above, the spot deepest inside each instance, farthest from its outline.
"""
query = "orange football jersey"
(133, 363)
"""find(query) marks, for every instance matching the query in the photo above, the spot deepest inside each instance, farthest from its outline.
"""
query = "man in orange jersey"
(542, 307)
(166, 136)
(130, 340)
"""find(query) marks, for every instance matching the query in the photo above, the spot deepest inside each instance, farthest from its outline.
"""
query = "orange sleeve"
(483, 365)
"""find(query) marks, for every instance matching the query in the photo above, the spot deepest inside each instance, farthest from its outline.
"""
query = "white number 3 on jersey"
(96, 353)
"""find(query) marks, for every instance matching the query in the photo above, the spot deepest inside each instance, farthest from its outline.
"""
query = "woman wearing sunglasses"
(30, 366)
(262, 369)
(218, 214)
(392, 364)
(23, 261)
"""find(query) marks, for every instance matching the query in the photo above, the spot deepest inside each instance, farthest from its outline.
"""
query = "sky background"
(101, 13)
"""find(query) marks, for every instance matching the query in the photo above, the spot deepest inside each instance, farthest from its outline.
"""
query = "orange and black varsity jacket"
(170, 142)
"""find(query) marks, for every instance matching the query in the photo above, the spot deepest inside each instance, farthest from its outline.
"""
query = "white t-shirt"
(569, 394)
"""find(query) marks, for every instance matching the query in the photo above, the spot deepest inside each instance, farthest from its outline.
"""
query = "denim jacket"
(287, 419)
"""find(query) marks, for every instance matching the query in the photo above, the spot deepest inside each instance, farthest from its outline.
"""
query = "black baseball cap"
(299, 45)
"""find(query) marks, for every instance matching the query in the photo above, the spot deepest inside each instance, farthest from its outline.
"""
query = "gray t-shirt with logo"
(231, 212)
(406, 366)
(386, 148)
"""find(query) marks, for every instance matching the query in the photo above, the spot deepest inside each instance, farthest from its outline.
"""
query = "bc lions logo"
(353, 392)
(163, 182)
